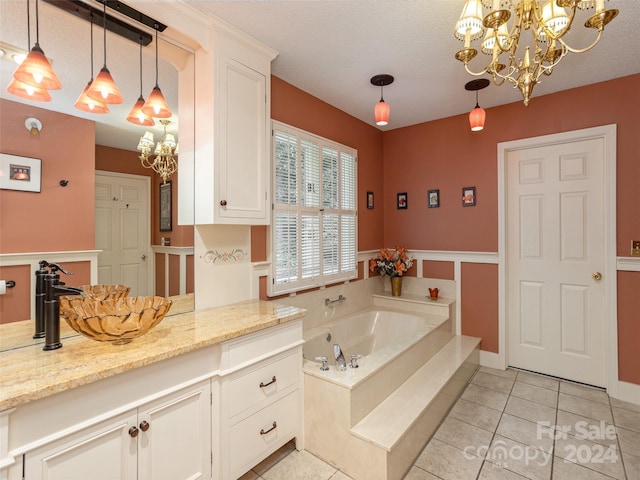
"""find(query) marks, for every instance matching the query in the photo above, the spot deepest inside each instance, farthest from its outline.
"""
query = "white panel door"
(122, 231)
(101, 452)
(555, 250)
(175, 438)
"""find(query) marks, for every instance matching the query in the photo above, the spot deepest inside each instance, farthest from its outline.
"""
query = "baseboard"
(627, 392)
(492, 360)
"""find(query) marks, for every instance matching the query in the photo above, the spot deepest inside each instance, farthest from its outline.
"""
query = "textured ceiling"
(331, 49)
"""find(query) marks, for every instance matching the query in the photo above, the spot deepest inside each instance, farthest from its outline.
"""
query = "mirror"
(65, 39)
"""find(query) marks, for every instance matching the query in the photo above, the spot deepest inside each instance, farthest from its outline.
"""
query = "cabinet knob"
(223, 203)
(144, 426)
(133, 431)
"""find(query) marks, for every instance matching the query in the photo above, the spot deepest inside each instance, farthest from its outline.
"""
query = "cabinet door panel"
(243, 163)
(177, 443)
(104, 451)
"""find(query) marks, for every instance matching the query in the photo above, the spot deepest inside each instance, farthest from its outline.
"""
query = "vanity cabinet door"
(102, 451)
(174, 440)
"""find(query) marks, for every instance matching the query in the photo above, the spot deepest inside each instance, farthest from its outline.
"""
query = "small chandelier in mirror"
(165, 155)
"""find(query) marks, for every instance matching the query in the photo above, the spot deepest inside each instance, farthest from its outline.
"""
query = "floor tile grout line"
(493, 436)
(621, 455)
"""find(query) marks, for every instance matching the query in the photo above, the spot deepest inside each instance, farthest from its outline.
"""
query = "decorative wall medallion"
(214, 256)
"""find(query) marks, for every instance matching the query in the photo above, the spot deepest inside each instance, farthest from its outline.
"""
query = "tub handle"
(273, 380)
(354, 360)
(325, 362)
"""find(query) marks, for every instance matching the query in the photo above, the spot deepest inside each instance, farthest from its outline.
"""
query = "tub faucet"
(54, 288)
(341, 363)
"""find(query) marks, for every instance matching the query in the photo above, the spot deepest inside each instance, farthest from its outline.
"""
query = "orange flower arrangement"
(391, 262)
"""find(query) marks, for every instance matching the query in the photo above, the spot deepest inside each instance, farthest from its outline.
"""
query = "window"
(314, 227)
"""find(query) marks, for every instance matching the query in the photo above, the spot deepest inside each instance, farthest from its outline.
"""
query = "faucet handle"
(354, 360)
(54, 267)
(325, 362)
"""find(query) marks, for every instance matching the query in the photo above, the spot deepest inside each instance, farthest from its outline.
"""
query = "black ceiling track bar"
(115, 25)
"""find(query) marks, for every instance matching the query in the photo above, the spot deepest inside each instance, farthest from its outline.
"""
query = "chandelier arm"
(582, 50)
(513, 38)
(475, 74)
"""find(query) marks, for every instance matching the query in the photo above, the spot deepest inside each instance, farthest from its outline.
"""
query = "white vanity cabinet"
(232, 163)
(166, 439)
(260, 393)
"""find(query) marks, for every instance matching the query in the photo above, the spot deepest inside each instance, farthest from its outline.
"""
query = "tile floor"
(509, 425)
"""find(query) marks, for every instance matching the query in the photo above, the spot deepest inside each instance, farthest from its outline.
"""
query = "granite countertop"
(28, 373)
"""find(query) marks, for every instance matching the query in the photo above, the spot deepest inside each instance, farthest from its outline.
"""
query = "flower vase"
(396, 286)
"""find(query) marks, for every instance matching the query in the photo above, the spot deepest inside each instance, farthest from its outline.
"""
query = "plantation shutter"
(314, 225)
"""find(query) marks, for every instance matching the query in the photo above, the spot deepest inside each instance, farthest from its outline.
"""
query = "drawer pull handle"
(273, 380)
(273, 426)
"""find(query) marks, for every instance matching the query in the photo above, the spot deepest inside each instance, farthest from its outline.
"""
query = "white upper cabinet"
(232, 120)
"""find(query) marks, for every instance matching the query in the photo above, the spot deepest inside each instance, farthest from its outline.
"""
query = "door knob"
(596, 275)
(223, 203)
(144, 426)
(143, 257)
(133, 431)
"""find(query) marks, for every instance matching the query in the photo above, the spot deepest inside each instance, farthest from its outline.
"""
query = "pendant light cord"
(28, 26)
(91, 30)
(37, 26)
(140, 40)
(477, 104)
(104, 26)
(156, 27)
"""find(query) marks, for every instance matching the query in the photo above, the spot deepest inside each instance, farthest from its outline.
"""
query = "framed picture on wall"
(370, 200)
(20, 173)
(469, 197)
(165, 206)
(403, 201)
(433, 198)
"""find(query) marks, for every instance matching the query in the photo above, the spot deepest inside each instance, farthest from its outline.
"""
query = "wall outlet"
(635, 248)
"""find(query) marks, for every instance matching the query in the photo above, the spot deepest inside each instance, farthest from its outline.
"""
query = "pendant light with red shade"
(477, 115)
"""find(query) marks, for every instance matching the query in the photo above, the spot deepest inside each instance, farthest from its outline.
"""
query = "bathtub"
(381, 336)
(394, 345)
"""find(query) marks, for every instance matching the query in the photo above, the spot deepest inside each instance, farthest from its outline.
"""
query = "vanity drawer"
(263, 383)
(254, 438)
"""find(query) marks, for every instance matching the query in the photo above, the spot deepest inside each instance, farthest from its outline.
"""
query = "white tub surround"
(171, 404)
(373, 421)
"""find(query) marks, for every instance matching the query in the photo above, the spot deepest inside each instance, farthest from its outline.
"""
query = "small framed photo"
(403, 201)
(434, 198)
(469, 197)
(20, 173)
(370, 200)
(165, 207)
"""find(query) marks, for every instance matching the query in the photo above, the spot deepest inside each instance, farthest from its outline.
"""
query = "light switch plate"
(635, 248)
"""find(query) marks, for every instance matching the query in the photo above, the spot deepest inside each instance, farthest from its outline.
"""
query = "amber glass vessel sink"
(96, 292)
(114, 320)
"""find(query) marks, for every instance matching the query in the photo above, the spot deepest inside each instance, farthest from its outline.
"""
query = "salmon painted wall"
(58, 218)
(446, 155)
(297, 108)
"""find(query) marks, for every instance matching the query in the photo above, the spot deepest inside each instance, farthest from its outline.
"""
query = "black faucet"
(40, 298)
(54, 288)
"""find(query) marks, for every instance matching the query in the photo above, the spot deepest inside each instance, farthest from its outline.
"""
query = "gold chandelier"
(165, 162)
(547, 20)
